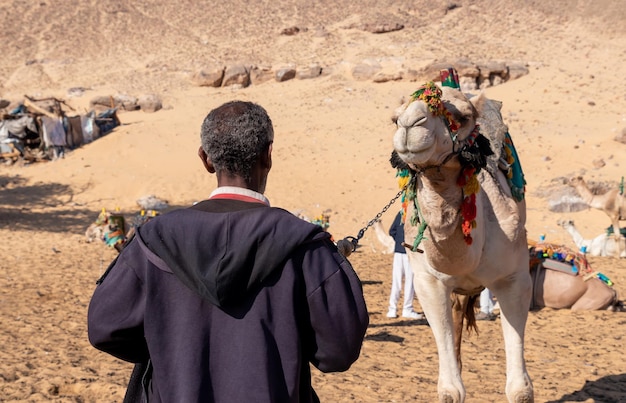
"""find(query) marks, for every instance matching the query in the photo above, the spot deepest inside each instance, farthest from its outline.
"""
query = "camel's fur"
(498, 257)
(558, 290)
(602, 245)
(386, 240)
(555, 289)
(612, 203)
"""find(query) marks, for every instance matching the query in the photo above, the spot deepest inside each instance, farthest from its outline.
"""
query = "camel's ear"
(479, 102)
(398, 111)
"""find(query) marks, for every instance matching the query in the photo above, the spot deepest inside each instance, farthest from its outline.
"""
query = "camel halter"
(472, 156)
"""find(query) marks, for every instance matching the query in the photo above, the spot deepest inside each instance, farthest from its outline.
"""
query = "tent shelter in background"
(43, 129)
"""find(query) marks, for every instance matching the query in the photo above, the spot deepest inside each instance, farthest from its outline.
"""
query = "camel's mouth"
(415, 140)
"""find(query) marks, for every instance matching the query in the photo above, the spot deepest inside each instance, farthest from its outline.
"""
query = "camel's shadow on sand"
(608, 389)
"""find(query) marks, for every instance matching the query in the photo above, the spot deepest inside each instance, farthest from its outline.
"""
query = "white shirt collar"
(222, 190)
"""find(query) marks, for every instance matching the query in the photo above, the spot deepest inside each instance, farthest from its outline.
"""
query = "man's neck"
(236, 192)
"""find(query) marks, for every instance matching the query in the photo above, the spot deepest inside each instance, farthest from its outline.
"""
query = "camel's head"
(433, 123)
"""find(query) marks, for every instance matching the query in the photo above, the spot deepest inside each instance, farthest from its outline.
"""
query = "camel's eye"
(463, 120)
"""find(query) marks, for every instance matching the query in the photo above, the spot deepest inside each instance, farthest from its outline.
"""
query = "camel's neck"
(440, 198)
(587, 196)
(585, 193)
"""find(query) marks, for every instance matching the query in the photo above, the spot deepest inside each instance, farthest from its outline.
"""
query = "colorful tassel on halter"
(430, 94)
(469, 183)
(404, 176)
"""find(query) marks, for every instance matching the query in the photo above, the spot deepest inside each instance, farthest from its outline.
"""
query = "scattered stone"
(285, 73)
(290, 31)
(382, 28)
(311, 71)
(236, 75)
(473, 76)
(4, 103)
(598, 163)
(366, 70)
(491, 72)
(120, 101)
(149, 103)
(209, 78)
(517, 70)
(383, 77)
(260, 74)
(76, 92)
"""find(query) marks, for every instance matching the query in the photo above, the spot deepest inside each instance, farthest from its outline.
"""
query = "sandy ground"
(333, 140)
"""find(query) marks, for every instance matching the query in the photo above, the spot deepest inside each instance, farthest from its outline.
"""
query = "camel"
(613, 203)
(559, 289)
(467, 223)
(602, 245)
(386, 240)
(557, 286)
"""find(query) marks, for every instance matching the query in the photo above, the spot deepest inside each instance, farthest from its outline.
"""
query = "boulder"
(311, 71)
(260, 74)
(285, 73)
(149, 103)
(209, 77)
(236, 75)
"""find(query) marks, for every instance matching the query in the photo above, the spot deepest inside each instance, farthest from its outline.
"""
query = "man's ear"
(267, 158)
(208, 165)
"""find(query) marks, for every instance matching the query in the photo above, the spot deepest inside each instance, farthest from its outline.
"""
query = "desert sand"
(331, 152)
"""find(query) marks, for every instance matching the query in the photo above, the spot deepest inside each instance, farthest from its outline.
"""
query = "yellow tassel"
(472, 186)
(403, 181)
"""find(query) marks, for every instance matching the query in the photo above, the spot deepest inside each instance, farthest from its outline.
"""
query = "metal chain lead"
(349, 244)
(373, 220)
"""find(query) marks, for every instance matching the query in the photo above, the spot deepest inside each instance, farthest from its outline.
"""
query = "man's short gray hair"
(235, 135)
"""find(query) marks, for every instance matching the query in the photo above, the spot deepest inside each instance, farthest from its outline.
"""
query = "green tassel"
(417, 218)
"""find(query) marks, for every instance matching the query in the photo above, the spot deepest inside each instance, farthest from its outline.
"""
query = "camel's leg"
(513, 294)
(459, 302)
(434, 298)
(598, 296)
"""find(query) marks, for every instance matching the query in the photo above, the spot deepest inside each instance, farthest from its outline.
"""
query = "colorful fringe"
(515, 175)
(469, 183)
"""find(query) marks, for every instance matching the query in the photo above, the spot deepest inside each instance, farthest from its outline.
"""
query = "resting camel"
(613, 203)
(557, 289)
(602, 245)
(464, 227)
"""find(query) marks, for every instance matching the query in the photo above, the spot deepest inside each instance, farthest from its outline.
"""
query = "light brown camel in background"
(613, 203)
(436, 140)
(559, 290)
(601, 245)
